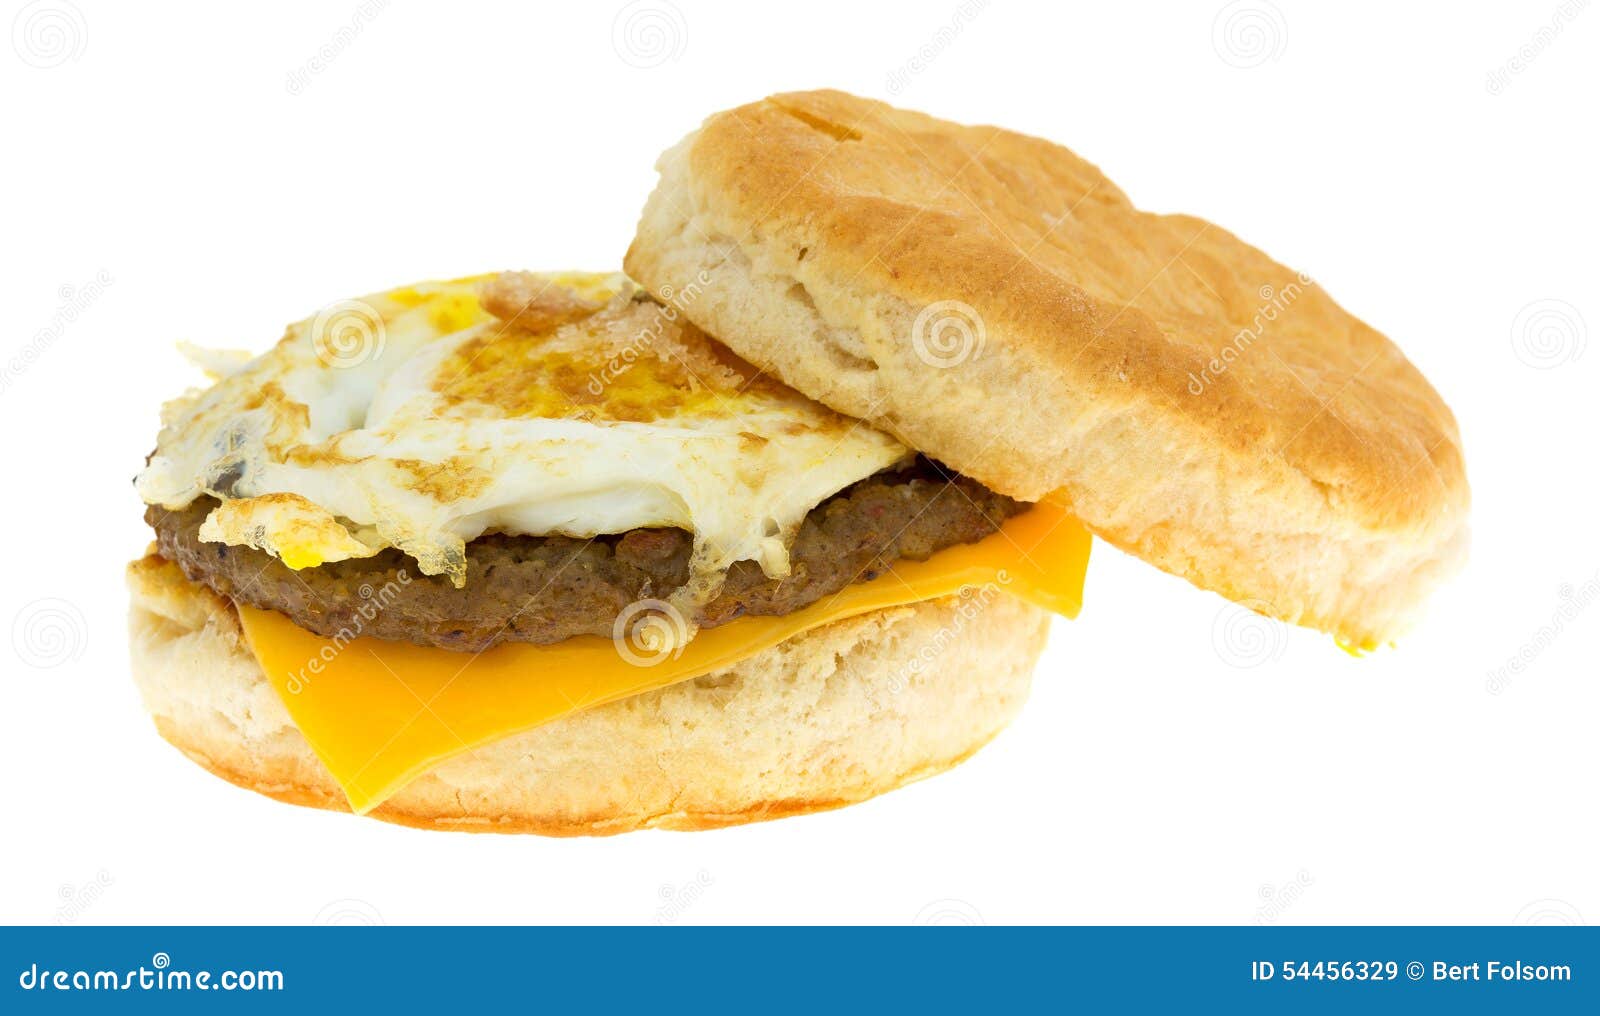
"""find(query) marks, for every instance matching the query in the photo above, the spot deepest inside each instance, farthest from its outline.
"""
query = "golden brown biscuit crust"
(830, 717)
(1199, 404)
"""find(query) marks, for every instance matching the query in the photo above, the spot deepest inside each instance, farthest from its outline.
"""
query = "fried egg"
(526, 404)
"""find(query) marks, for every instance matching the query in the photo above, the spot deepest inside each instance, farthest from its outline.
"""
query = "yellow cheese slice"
(381, 713)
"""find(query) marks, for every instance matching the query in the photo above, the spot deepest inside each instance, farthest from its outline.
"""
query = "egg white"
(347, 438)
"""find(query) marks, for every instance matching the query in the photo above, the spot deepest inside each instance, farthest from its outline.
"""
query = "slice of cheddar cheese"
(381, 713)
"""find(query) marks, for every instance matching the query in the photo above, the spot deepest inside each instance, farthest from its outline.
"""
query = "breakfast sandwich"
(776, 521)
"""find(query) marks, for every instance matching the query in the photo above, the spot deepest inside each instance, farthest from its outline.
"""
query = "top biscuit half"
(995, 302)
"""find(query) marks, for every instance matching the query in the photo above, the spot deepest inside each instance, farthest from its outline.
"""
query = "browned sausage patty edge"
(544, 589)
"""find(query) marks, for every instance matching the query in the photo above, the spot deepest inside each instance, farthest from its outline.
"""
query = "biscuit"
(995, 302)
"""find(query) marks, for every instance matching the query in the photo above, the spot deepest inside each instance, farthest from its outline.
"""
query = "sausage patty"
(544, 589)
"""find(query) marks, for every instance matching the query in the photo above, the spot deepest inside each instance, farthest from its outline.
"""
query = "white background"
(1177, 762)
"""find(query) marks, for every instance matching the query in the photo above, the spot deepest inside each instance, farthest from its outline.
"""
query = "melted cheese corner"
(381, 713)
